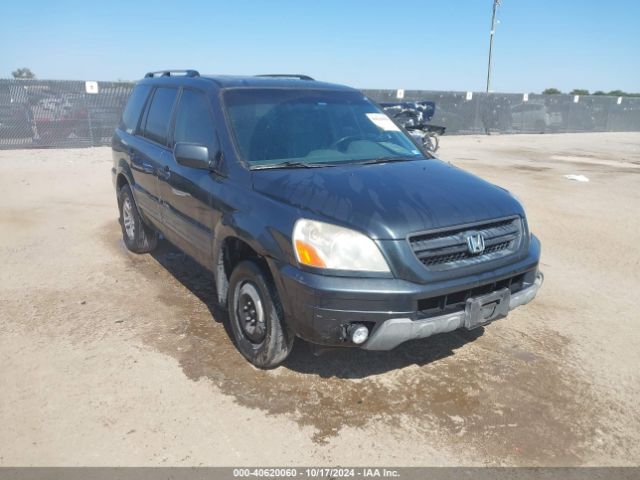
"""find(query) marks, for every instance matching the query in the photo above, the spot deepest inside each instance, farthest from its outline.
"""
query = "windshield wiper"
(289, 165)
(297, 164)
(389, 159)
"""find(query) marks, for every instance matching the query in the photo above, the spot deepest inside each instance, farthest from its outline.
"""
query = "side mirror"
(193, 155)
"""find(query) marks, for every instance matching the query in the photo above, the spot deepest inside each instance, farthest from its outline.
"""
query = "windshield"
(289, 127)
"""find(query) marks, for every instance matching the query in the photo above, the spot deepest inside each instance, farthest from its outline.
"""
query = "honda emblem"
(475, 243)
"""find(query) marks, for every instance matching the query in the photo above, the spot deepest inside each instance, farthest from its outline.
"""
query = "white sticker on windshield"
(382, 121)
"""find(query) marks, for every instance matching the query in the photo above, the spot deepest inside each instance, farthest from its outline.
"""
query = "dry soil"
(111, 358)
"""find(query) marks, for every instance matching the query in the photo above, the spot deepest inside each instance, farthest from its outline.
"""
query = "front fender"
(262, 224)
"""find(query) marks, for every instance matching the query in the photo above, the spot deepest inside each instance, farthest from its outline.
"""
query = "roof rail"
(168, 73)
(286, 75)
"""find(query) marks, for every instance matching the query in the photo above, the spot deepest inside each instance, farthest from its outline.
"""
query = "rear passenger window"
(134, 107)
(193, 120)
(159, 115)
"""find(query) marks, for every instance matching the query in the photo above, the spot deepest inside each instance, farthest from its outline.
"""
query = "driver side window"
(193, 120)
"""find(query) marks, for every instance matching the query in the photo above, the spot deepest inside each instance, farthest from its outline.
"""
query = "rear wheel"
(137, 236)
(256, 317)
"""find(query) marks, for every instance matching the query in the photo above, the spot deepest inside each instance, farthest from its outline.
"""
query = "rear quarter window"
(132, 111)
(159, 116)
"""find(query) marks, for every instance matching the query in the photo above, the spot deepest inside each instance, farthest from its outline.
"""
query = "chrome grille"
(447, 248)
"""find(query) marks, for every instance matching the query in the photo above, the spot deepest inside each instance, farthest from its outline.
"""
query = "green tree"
(579, 91)
(23, 72)
(551, 91)
(616, 93)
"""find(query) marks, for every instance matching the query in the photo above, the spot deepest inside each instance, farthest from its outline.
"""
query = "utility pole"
(496, 4)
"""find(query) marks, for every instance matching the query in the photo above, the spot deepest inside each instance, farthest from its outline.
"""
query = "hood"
(389, 200)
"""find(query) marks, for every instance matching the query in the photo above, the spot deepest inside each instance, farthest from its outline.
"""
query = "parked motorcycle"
(413, 116)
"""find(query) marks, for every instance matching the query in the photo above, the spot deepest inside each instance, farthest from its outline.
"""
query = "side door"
(129, 145)
(148, 148)
(186, 192)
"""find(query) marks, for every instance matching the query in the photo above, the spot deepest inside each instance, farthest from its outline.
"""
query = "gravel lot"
(110, 358)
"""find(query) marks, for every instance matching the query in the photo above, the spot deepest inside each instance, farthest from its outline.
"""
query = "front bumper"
(395, 331)
(319, 308)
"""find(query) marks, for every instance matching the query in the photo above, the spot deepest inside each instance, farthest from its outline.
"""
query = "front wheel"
(256, 317)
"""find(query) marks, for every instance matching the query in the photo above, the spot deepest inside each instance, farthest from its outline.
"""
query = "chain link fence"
(60, 113)
(472, 113)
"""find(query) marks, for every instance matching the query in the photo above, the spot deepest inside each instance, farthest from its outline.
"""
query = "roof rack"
(169, 73)
(286, 75)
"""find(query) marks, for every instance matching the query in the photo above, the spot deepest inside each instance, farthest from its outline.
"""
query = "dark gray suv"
(318, 215)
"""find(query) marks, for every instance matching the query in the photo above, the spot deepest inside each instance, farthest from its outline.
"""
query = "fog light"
(358, 333)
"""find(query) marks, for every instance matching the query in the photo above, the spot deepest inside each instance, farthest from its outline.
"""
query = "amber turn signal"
(307, 255)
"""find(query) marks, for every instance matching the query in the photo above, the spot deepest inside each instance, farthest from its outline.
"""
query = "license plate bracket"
(486, 308)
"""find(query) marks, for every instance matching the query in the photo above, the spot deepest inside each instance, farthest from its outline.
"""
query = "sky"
(423, 44)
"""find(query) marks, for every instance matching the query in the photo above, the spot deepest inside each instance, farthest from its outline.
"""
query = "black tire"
(138, 237)
(268, 343)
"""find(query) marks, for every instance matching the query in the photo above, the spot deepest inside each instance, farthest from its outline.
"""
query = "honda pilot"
(317, 214)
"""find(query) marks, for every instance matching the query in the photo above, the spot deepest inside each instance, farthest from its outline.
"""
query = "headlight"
(323, 245)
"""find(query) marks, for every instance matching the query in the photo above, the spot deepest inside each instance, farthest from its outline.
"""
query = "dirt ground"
(110, 358)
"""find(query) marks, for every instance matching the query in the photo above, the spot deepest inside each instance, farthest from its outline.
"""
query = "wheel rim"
(250, 313)
(127, 218)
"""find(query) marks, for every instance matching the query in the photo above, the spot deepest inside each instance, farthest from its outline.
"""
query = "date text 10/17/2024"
(319, 472)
